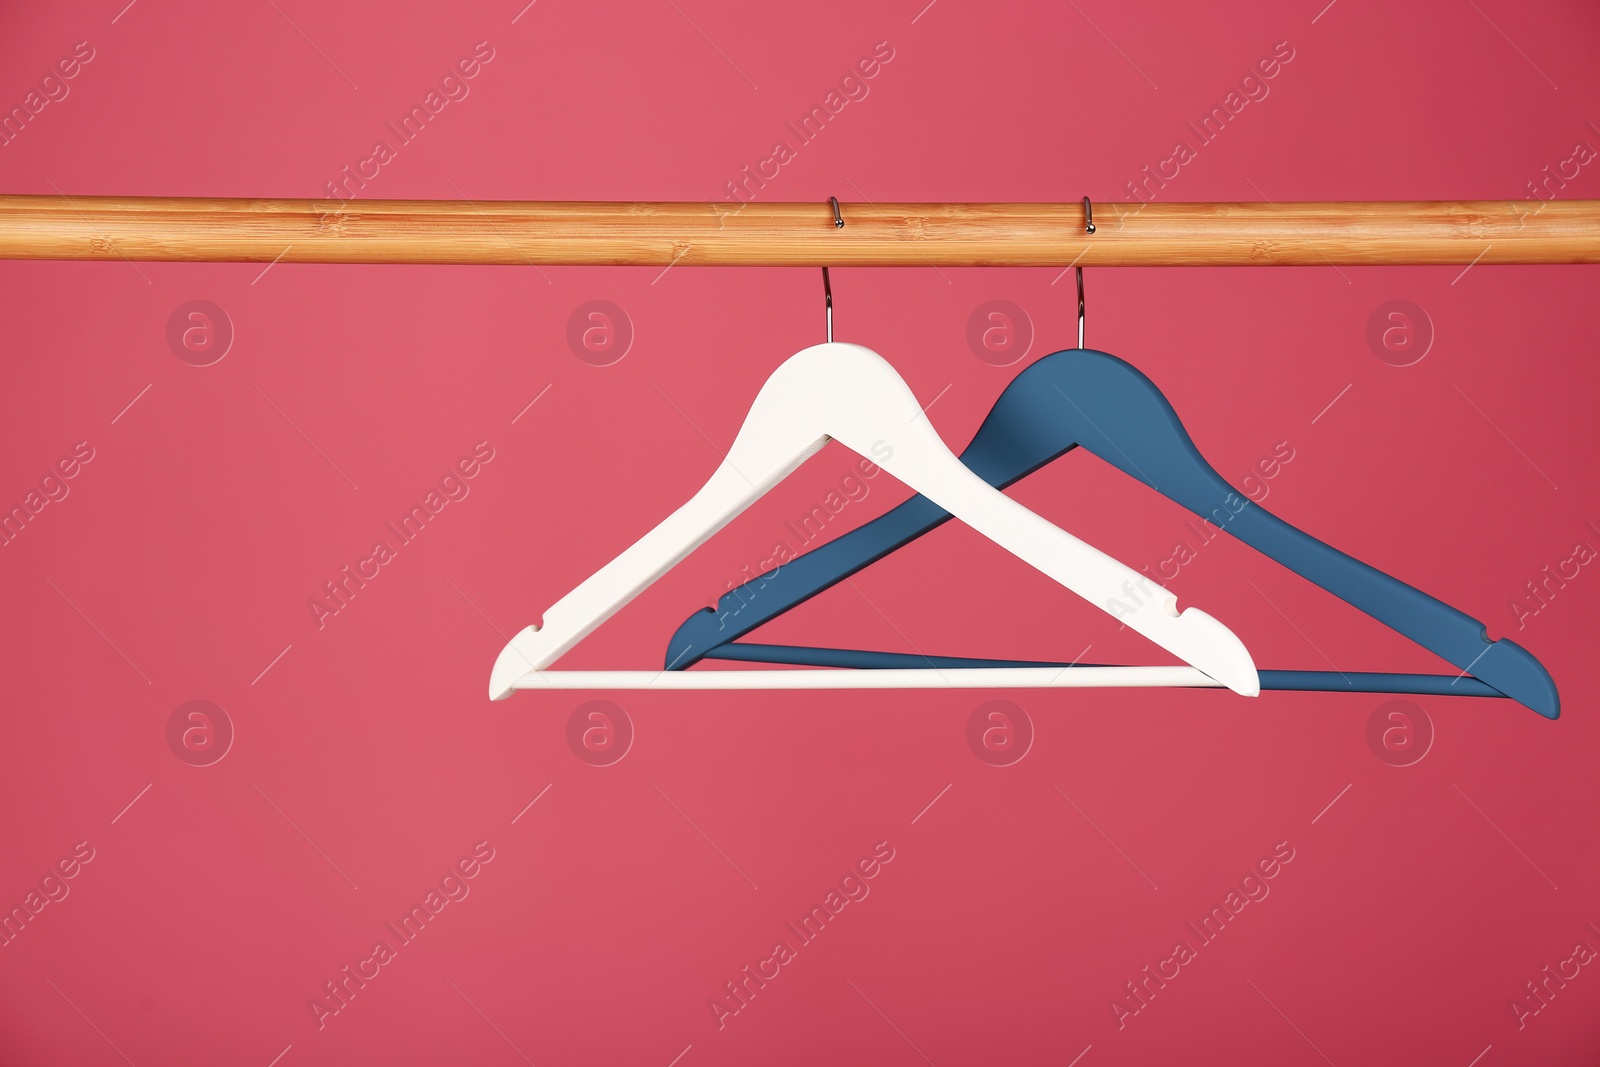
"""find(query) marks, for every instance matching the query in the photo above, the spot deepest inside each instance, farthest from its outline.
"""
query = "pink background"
(1020, 899)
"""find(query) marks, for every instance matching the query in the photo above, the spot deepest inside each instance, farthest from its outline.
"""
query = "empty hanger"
(1089, 399)
(851, 394)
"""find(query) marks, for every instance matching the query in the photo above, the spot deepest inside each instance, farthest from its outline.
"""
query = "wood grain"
(701, 234)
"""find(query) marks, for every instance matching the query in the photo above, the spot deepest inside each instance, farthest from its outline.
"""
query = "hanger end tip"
(511, 665)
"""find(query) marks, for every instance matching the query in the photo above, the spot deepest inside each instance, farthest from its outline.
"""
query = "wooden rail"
(757, 234)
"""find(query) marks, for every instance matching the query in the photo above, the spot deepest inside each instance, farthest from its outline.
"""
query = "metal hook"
(1080, 305)
(1088, 227)
(827, 287)
(827, 296)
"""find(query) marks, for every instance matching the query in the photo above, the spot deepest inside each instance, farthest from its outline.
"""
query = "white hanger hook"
(827, 287)
(827, 298)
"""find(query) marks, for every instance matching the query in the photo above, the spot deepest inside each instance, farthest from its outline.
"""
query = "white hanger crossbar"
(891, 678)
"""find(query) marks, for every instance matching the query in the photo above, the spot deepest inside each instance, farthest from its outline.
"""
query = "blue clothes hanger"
(1082, 398)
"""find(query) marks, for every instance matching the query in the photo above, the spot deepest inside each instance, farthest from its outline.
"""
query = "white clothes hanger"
(850, 394)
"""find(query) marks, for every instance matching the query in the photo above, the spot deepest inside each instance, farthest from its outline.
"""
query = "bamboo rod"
(756, 234)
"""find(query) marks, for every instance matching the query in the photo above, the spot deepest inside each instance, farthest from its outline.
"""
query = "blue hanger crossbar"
(1443, 685)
